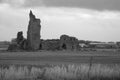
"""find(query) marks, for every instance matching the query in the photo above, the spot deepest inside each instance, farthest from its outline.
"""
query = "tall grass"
(61, 72)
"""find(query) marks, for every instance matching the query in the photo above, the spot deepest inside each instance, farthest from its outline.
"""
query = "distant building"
(103, 45)
(83, 45)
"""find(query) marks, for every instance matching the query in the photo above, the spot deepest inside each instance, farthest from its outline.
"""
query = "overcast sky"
(97, 20)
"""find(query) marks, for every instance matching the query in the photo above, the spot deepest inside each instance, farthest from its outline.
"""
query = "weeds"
(61, 72)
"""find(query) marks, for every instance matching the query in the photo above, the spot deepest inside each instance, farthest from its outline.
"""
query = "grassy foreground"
(60, 72)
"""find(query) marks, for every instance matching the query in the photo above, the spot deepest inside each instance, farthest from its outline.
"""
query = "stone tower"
(33, 33)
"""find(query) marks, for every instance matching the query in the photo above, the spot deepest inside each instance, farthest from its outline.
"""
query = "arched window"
(64, 46)
(40, 46)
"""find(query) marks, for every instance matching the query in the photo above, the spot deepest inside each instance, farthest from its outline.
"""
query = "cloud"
(88, 4)
(23, 3)
(34, 3)
(14, 3)
(11, 21)
(82, 23)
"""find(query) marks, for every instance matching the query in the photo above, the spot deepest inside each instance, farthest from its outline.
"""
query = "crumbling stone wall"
(50, 44)
(69, 43)
(33, 33)
(19, 37)
(21, 41)
(33, 36)
(18, 43)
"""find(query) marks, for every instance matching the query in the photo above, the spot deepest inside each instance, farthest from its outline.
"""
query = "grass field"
(60, 65)
(59, 57)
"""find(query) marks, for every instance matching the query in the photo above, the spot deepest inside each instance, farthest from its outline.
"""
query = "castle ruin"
(33, 41)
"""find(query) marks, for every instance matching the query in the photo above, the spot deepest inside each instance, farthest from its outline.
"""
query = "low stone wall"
(50, 45)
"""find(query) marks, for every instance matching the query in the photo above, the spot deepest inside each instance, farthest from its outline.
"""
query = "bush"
(13, 47)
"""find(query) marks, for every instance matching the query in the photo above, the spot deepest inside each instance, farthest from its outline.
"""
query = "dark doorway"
(40, 46)
(64, 46)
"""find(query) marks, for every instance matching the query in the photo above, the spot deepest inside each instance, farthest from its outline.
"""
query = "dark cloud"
(93, 4)
(33, 3)
(90, 4)
(1, 1)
